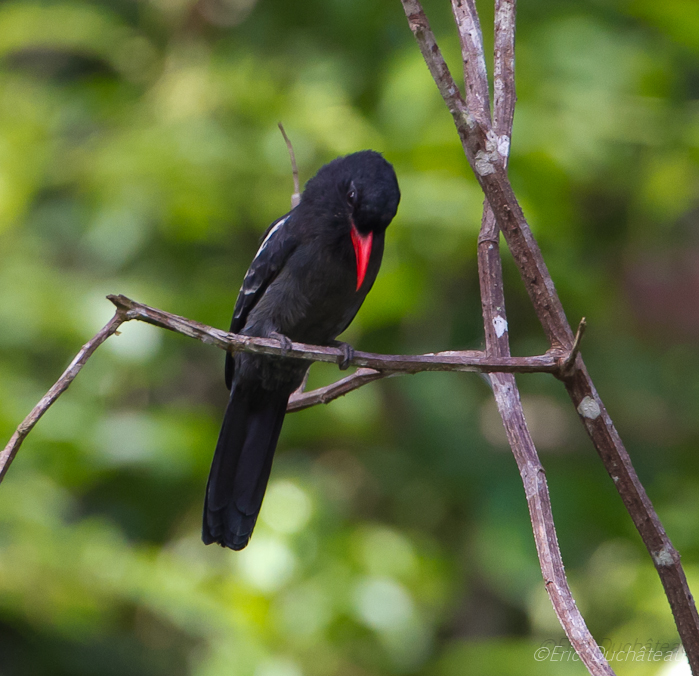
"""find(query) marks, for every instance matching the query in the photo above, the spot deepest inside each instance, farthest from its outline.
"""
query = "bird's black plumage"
(310, 276)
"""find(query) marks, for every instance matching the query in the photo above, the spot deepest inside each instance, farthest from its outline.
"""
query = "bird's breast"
(314, 297)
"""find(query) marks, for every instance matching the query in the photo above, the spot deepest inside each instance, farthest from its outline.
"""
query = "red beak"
(362, 251)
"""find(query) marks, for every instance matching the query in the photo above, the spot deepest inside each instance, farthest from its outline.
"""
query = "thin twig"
(568, 365)
(296, 197)
(61, 385)
(302, 387)
(324, 395)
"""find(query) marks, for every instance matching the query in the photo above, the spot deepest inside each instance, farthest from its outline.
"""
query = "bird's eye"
(352, 196)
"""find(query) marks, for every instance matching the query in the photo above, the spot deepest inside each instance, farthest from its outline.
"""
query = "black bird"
(311, 274)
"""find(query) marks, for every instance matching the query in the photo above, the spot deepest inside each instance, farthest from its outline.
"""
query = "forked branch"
(487, 149)
(371, 366)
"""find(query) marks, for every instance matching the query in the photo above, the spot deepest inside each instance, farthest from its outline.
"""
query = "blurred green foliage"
(139, 154)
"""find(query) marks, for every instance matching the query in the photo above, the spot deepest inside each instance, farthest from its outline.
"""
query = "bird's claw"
(284, 341)
(347, 354)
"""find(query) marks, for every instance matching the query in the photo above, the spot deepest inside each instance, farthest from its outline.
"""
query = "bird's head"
(366, 197)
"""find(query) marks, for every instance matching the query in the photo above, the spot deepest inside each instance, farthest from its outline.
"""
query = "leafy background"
(139, 154)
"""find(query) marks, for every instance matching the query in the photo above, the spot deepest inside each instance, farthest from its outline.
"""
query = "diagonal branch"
(435, 62)
(324, 395)
(539, 503)
(62, 384)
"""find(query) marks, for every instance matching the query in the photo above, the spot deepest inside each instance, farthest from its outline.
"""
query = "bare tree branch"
(532, 472)
(504, 386)
(296, 195)
(372, 366)
(466, 360)
(436, 63)
(618, 463)
(487, 150)
(475, 76)
(541, 514)
(504, 92)
(324, 395)
(26, 426)
(570, 364)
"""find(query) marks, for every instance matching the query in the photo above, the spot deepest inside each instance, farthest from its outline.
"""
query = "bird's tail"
(241, 465)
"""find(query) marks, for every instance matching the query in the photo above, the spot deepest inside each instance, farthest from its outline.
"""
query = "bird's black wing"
(277, 244)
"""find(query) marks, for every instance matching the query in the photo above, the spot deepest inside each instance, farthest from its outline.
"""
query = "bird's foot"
(284, 341)
(347, 354)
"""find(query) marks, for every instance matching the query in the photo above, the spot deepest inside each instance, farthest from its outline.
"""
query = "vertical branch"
(504, 385)
(296, 195)
(504, 93)
(475, 74)
(490, 265)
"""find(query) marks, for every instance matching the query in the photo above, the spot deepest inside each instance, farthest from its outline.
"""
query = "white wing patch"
(251, 290)
(250, 271)
(278, 225)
